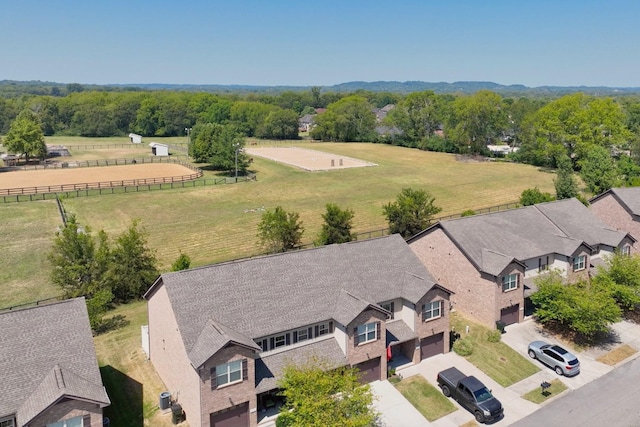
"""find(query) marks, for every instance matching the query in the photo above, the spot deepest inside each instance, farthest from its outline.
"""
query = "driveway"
(396, 411)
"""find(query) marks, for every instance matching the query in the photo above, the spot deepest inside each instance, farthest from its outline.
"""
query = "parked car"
(562, 361)
(471, 394)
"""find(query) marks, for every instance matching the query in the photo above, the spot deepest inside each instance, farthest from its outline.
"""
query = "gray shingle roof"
(38, 345)
(399, 331)
(265, 295)
(269, 368)
(629, 196)
(215, 336)
(576, 220)
(493, 240)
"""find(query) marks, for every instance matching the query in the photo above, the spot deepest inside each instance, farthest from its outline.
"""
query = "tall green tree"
(133, 265)
(476, 121)
(25, 136)
(598, 170)
(337, 226)
(418, 115)
(317, 395)
(279, 124)
(218, 145)
(73, 257)
(565, 182)
(351, 119)
(280, 231)
(411, 213)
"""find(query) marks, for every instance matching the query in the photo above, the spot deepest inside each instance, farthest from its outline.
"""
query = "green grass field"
(218, 223)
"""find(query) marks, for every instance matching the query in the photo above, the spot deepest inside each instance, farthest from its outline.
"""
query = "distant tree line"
(598, 137)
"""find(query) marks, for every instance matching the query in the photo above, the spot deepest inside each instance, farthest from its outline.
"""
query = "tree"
(418, 115)
(318, 396)
(183, 262)
(133, 265)
(280, 231)
(279, 124)
(349, 119)
(217, 144)
(337, 226)
(411, 212)
(73, 257)
(25, 136)
(565, 183)
(476, 121)
(598, 171)
(531, 196)
(580, 307)
(621, 274)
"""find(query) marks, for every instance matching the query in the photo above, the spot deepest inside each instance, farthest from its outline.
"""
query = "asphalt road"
(611, 400)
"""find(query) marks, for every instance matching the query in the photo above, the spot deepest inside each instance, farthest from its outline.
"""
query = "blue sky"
(277, 42)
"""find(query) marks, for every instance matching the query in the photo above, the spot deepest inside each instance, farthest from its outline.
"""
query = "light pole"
(237, 148)
(188, 132)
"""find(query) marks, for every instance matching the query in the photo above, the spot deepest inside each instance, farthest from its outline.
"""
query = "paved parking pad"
(394, 409)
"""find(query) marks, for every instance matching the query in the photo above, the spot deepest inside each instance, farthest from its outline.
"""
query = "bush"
(494, 336)
(463, 347)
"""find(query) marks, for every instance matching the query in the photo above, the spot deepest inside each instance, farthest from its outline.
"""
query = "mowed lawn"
(219, 222)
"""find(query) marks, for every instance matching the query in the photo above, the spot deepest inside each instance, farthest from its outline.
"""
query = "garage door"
(369, 370)
(510, 315)
(237, 416)
(432, 345)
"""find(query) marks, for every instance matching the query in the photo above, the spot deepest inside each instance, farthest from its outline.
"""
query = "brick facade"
(170, 358)
(68, 409)
(228, 396)
(610, 211)
(477, 295)
(425, 329)
(371, 350)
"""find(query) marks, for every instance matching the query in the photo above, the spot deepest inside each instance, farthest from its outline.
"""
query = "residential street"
(609, 400)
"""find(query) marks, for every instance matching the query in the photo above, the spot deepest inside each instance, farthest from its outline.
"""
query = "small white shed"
(135, 138)
(158, 149)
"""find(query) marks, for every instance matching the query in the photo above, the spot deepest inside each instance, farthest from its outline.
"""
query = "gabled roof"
(270, 294)
(57, 384)
(47, 353)
(629, 197)
(215, 336)
(492, 241)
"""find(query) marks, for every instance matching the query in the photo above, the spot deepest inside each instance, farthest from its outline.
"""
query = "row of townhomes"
(49, 373)
(220, 335)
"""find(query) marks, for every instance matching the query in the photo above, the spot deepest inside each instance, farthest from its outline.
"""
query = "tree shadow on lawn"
(125, 393)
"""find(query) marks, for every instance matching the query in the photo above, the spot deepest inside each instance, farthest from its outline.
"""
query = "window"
(579, 263)
(228, 373)
(303, 334)
(72, 422)
(323, 329)
(543, 264)
(626, 250)
(7, 422)
(389, 307)
(279, 341)
(367, 333)
(431, 310)
(262, 344)
(509, 282)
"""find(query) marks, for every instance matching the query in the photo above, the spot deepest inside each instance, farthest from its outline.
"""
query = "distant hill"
(11, 88)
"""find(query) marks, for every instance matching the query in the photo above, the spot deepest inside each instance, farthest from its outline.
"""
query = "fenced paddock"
(76, 176)
(307, 159)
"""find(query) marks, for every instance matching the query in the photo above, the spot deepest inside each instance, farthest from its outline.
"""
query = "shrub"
(494, 335)
(463, 347)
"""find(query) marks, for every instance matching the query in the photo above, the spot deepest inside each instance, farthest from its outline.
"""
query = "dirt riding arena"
(307, 159)
(102, 175)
